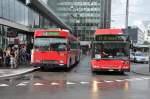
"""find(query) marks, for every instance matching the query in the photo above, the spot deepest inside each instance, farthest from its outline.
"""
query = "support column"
(29, 39)
(29, 43)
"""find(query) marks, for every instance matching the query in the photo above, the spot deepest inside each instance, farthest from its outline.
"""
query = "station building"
(19, 19)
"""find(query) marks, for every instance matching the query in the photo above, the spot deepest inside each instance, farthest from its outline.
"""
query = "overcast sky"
(139, 10)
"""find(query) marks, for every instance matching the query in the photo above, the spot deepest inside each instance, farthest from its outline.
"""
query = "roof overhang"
(44, 9)
(15, 25)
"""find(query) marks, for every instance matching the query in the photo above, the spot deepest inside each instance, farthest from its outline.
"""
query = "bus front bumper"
(48, 65)
(111, 70)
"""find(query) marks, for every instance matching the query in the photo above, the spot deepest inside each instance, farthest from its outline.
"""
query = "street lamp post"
(76, 20)
(149, 58)
(127, 13)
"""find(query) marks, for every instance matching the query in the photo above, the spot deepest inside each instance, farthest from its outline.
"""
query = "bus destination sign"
(51, 33)
(111, 38)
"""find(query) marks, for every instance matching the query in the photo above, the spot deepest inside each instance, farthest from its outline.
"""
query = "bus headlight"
(37, 61)
(61, 61)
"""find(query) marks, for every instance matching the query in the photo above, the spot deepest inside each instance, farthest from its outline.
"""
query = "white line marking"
(108, 81)
(70, 83)
(119, 80)
(138, 79)
(21, 84)
(38, 84)
(146, 78)
(82, 82)
(4, 85)
(53, 83)
(25, 82)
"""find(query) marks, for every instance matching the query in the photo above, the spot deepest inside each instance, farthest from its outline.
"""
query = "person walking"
(12, 58)
(23, 55)
(7, 56)
(16, 54)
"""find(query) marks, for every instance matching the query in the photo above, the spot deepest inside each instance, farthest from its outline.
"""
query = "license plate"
(110, 70)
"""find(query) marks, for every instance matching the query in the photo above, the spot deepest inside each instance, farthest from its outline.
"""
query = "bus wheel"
(78, 59)
(69, 64)
(121, 72)
(93, 71)
(42, 68)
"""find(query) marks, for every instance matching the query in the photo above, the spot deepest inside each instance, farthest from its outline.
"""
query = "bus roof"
(108, 32)
(52, 32)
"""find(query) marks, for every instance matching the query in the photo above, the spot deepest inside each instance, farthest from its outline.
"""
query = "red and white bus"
(110, 51)
(55, 48)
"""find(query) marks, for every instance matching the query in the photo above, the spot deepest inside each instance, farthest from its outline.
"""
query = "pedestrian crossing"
(67, 83)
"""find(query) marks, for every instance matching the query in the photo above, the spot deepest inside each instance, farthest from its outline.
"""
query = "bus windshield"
(111, 50)
(50, 44)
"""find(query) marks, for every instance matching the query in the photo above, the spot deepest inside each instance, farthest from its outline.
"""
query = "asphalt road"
(78, 82)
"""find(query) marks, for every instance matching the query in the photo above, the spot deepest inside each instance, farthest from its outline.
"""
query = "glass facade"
(17, 12)
(84, 16)
(3, 40)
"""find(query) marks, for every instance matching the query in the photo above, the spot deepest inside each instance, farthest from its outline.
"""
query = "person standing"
(12, 58)
(7, 56)
(16, 54)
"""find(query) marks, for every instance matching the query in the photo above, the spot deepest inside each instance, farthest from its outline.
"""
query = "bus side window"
(69, 46)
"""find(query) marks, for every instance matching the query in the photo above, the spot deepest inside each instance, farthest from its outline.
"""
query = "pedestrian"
(7, 56)
(16, 53)
(12, 58)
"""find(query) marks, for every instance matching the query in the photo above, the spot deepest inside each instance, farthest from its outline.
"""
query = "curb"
(140, 73)
(17, 74)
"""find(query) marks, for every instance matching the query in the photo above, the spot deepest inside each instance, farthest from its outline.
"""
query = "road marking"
(145, 78)
(21, 84)
(25, 82)
(108, 81)
(4, 85)
(119, 80)
(53, 83)
(38, 84)
(82, 82)
(70, 83)
(138, 79)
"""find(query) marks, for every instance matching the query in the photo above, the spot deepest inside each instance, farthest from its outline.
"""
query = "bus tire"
(121, 72)
(42, 68)
(69, 64)
(78, 59)
(93, 71)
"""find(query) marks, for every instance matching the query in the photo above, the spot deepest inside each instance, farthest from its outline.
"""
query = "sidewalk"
(142, 69)
(7, 72)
